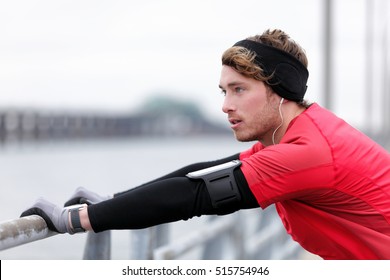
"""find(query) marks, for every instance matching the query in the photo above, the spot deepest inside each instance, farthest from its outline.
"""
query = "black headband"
(289, 75)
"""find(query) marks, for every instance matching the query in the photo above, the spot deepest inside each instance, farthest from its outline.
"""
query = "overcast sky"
(109, 55)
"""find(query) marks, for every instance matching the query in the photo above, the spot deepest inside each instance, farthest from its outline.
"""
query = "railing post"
(140, 244)
(98, 246)
(213, 247)
(144, 241)
(238, 233)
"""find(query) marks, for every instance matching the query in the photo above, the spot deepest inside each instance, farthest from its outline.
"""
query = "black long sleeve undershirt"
(187, 169)
(170, 198)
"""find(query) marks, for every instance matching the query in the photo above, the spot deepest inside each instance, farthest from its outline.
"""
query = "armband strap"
(220, 183)
(75, 220)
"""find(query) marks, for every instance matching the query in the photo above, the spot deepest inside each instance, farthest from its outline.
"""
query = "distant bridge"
(28, 125)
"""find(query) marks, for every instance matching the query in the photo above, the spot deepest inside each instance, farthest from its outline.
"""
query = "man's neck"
(289, 110)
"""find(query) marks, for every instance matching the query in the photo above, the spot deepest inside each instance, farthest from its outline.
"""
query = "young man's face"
(251, 108)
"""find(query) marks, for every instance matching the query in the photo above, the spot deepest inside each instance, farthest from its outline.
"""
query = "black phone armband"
(221, 184)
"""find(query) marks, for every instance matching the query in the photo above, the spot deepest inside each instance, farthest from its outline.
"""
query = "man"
(330, 183)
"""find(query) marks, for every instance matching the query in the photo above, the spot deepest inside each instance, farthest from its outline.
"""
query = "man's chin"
(244, 138)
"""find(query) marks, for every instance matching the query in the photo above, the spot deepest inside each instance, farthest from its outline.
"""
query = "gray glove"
(82, 195)
(56, 218)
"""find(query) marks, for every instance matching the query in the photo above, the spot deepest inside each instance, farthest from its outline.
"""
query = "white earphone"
(281, 118)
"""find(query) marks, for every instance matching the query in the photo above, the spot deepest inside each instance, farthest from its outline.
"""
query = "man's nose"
(227, 105)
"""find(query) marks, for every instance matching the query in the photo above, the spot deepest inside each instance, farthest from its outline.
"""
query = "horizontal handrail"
(200, 236)
(268, 241)
(23, 230)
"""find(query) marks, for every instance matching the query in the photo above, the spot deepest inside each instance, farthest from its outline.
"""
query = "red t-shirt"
(330, 185)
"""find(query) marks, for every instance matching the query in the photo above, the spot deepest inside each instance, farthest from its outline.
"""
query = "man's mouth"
(234, 122)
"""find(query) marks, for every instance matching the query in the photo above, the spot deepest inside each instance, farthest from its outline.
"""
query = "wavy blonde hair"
(243, 60)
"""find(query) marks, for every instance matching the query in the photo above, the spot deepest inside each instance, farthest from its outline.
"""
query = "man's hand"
(56, 218)
(82, 195)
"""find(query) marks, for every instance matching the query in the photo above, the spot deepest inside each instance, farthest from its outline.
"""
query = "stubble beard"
(261, 126)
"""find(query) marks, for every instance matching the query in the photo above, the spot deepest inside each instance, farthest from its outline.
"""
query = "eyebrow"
(232, 84)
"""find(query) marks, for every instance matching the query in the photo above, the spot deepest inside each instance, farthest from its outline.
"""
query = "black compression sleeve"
(163, 201)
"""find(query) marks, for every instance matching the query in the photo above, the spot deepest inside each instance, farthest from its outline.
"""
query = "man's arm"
(167, 200)
(164, 200)
(189, 168)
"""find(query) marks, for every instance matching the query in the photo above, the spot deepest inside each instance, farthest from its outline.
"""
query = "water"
(54, 170)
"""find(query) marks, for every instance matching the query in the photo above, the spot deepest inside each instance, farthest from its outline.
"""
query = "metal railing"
(243, 235)
(33, 228)
(23, 230)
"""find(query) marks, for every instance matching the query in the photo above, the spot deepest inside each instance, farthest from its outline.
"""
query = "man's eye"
(223, 92)
(239, 89)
